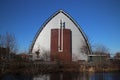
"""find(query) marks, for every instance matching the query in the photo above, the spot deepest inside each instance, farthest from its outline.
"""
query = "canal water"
(66, 76)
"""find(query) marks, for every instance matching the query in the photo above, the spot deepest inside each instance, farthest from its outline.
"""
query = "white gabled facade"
(42, 39)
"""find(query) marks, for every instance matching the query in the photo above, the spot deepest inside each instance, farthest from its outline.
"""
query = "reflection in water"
(16, 77)
(79, 76)
(106, 76)
(41, 77)
(62, 76)
(66, 76)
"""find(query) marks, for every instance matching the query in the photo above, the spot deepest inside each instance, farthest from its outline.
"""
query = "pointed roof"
(50, 18)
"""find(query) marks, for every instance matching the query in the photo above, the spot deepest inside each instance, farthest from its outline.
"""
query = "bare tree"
(100, 49)
(8, 41)
(117, 55)
(85, 48)
(2, 41)
(46, 55)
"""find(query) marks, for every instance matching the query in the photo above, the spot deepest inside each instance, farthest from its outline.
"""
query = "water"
(66, 76)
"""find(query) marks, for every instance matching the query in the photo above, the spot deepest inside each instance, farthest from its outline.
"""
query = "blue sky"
(99, 19)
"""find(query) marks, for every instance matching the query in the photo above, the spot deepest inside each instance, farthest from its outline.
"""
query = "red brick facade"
(66, 54)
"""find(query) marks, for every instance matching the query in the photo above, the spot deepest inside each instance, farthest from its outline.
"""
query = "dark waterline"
(66, 76)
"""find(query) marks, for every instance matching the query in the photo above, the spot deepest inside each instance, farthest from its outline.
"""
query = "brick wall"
(66, 54)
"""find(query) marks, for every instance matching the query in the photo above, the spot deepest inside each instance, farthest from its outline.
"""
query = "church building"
(60, 38)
